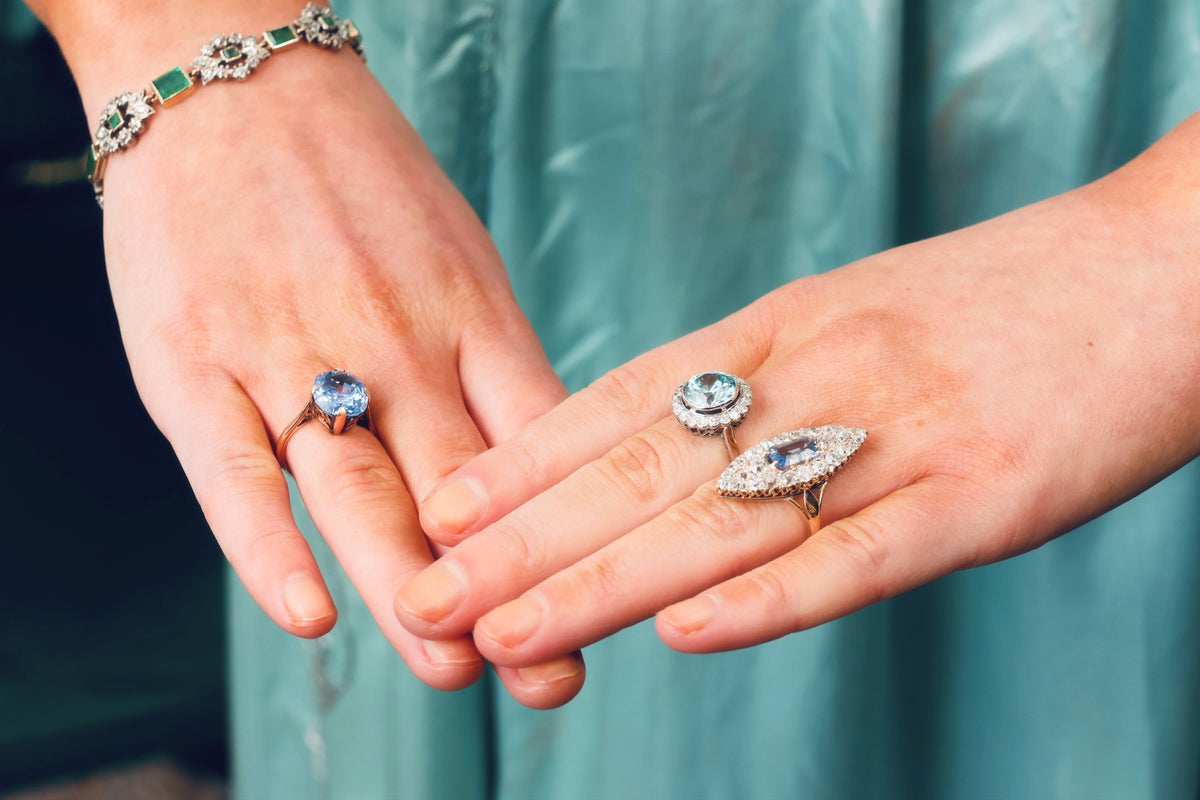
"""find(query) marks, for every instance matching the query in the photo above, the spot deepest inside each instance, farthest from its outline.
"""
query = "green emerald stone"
(231, 54)
(327, 23)
(171, 84)
(280, 37)
(91, 163)
(115, 121)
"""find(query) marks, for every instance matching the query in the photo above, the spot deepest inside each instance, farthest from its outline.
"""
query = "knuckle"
(863, 542)
(599, 577)
(518, 545)
(362, 478)
(240, 473)
(708, 512)
(636, 468)
(768, 590)
(625, 391)
(263, 546)
(522, 458)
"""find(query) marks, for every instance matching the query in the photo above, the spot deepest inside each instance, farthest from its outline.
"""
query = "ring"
(339, 401)
(713, 404)
(794, 465)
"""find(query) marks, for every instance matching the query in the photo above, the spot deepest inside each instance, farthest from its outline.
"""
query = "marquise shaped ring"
(713, 403)
(794, 466)
(338, 401)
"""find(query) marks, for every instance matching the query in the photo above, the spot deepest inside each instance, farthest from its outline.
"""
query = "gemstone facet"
(709, 402)
(281, 37)
(801, 460)
(710, 392)
(338, 390)
(792, 452)
(172, 86)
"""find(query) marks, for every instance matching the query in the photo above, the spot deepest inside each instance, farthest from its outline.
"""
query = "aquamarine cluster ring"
(794, 466)
(338, 401)
(713, 403)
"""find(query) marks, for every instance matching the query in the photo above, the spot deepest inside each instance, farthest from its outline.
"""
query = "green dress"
(649, 167)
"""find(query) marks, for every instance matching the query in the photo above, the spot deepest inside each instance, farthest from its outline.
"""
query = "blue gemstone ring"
(713, 404)
(338, 401)
(794, 466)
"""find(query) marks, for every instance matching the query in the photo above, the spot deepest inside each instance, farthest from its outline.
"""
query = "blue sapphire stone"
(710, 392)
(338, 390)
(795, 451)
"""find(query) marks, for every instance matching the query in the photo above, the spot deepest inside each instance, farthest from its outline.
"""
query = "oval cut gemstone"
(336, 390)
(792, 452)
(710, 391)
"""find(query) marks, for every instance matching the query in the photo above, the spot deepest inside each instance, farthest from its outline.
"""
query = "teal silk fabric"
(649, 167)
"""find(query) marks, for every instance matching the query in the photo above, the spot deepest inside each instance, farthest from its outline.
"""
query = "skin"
(249, 250)
(1017, 378)
(995, 368)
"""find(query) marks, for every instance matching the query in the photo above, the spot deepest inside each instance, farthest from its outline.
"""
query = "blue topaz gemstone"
(710, 392)
(338, 390)
(787, 454)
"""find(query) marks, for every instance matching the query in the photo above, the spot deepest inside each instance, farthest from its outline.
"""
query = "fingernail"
(512, 623)
(433, 594)
(551, 672)
(690, 615)
(306, 599)
(450, 653)
(455, 506)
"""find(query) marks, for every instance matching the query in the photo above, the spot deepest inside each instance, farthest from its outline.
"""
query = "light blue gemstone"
(710, 391)
(795, 451)
(336, 390)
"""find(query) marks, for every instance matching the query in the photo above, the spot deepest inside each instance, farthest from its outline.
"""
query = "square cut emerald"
(172, 85)
(231, 54)
(328, 23)
(115, 121)
(280, 37)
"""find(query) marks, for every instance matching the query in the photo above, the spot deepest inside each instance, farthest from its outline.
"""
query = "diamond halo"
(711, 420)
(761, 473)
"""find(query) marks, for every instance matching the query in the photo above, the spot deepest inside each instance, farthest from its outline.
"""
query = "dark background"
(112, 643)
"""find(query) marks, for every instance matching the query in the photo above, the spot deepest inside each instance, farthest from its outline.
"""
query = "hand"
(1016, 378)
(262, 233)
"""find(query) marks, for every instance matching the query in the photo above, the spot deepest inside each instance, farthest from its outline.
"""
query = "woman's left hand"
(1016, 378)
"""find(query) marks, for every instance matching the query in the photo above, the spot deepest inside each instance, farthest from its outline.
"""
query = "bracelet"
(231, 57)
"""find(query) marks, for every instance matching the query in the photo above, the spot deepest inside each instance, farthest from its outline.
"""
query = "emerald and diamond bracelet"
(231, 57)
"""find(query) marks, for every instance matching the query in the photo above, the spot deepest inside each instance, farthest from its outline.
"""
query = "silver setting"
(753, 476)
(319, 25)
(713, 423)
(134, 109)
(213, 65)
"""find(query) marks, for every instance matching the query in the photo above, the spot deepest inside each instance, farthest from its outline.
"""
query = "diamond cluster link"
(753, 475)
(319, 25)
(213, 66)
(133, 108)
(712, 424)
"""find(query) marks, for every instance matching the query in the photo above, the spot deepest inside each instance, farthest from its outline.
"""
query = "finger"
(506, 379)
(581, 429)
(902, 541)
(637, 480)
(422, 420)
(228, 460)
(359, 503)
(700, 541)
(546, 685)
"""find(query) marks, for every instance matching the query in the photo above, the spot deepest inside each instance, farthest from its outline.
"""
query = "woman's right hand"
(264, 232)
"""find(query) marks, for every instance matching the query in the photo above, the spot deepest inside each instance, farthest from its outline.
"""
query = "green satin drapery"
(646, 168)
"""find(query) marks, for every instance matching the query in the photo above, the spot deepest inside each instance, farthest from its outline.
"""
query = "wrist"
(122, 45)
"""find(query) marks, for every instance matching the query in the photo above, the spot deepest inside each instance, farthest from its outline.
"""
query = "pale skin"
(263, 232)
(991, 367)
(1016, 378)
